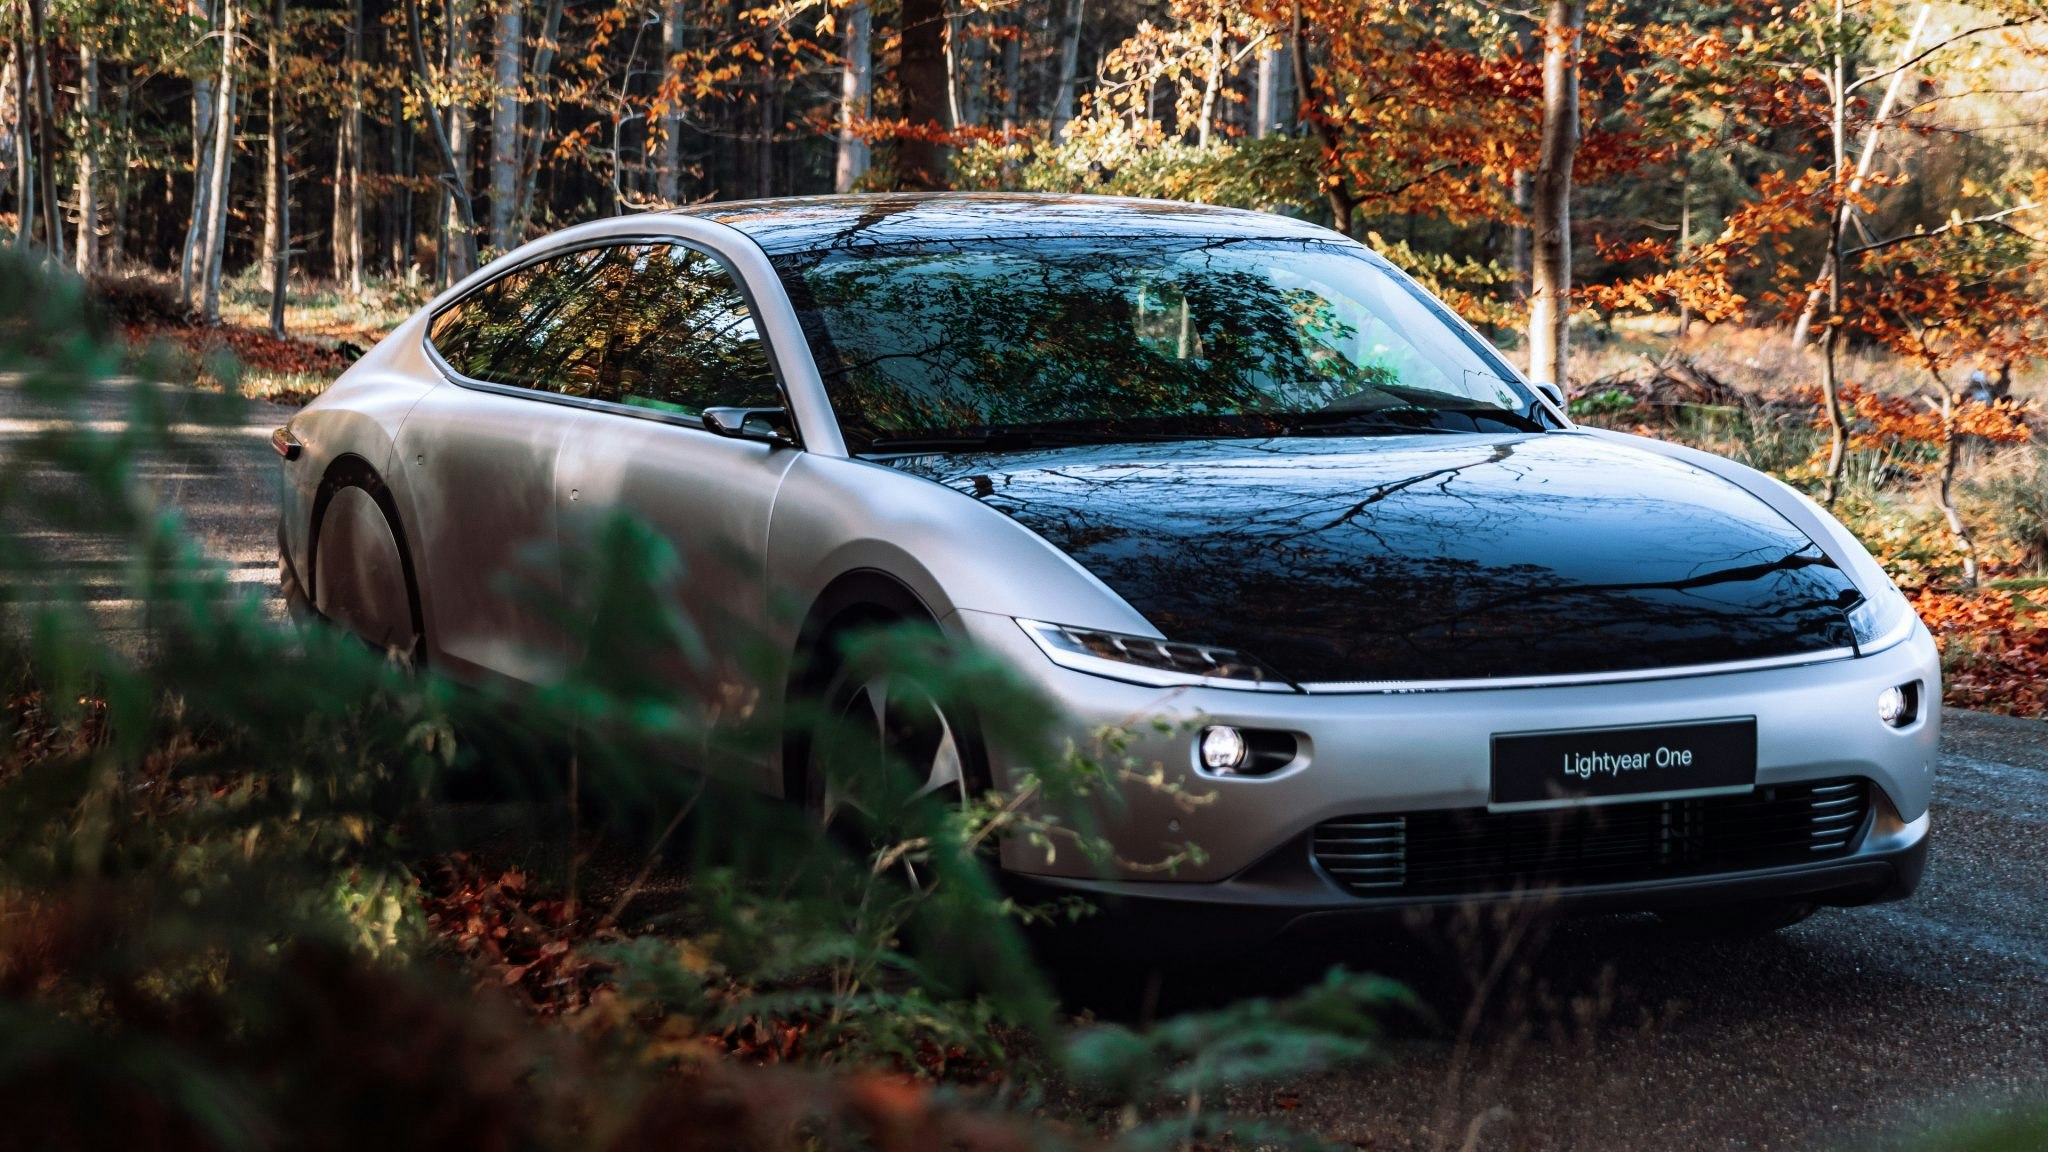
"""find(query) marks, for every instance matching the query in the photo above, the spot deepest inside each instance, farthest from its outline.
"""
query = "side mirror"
(1552, 393)
(769, 425)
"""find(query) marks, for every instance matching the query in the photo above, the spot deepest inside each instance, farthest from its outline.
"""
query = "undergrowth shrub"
(232, 914)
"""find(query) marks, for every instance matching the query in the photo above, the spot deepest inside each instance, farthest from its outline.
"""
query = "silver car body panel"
(474, 474)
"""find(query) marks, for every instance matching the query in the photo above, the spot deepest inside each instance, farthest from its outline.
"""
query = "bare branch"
(1930, 50)
(1989, 218)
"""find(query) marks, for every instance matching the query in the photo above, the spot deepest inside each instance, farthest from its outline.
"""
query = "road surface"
(1858, 1027)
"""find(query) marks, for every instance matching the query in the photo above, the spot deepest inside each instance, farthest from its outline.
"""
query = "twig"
(1951, 226)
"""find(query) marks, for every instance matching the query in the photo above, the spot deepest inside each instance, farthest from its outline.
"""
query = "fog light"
(1896, 706)
(1223, 749)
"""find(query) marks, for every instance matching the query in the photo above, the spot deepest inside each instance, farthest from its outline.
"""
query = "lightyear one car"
(1422, 639)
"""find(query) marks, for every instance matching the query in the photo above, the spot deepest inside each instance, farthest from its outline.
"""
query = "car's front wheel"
(881, 749)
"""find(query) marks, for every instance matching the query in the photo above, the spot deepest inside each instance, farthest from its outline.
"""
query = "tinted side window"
(661, 326)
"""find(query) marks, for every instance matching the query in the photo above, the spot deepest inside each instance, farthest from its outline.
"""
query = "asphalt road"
(1857, 1028)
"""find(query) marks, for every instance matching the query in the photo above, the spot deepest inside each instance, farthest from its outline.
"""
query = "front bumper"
(1394, 752)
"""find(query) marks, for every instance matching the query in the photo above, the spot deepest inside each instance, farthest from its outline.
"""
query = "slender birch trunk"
(192, 262)
(24, 148)
(509, 50)
(459, 220)
(214, 237)
(1550, 280)
(669, 176)
(856, 86)
(1830, 376)
(278, 257)
(1212, 81)
(1802, 328)
(88, 174)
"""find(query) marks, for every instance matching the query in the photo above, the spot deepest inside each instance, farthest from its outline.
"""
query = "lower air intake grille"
(1468, 851)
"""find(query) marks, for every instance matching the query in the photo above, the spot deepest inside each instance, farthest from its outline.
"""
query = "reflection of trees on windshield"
(1151, 336)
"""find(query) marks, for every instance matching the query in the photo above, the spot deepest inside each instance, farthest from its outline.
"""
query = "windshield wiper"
(1357, 425)
(992, 441)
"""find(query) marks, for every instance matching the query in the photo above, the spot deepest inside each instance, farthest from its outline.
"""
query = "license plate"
(1592, 765)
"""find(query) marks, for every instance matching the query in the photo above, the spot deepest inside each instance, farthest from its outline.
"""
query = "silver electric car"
(1417, 637)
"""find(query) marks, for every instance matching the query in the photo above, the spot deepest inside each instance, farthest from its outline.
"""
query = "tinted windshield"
(988, 343)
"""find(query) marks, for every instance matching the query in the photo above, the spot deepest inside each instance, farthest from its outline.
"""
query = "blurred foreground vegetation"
(245, 902)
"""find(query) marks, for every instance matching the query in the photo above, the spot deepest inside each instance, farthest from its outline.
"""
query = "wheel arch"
(855, 597)
(352, 471)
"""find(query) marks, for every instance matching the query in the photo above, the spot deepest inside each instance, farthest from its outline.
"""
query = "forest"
(249, 897)
(1735, 223)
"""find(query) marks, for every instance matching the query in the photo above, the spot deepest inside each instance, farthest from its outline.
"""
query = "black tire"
(1735, 921)
(910, 725)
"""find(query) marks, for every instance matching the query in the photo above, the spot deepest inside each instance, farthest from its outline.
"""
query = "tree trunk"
(461, 234)
(1830, 379)
(1070, 68)
(1211, 82)
(114, 254)
(856, 81)
(88, 175)
(543, 98)
(669, 178)
(24, 150)
(459, 224)
(1802, 328)
(768, 121)
(279, 257)
(920, 157)
(1343, 206)
(192, 262)
(1267, 104)
(46, 137)
(1013, 70)
(510, 51)
(347, 240)
(214, 236)
(1550, 263)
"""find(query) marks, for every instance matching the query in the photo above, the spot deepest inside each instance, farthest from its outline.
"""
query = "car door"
(684, 339)
(523, 355)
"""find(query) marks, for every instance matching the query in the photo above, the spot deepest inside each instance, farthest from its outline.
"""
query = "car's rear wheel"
(1752, 918)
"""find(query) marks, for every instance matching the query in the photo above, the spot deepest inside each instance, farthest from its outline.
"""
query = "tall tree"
(675, 38)
(213, 238)
(347, 247)
(277, 231)
(461, 247)
(88, 174)
(46, 134)
(856, 84)
(192, 262)
(1550, 196)
(1070, 67)
(509, 50)
(921, 152)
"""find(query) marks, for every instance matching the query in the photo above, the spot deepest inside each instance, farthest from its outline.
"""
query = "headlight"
(1144, 660)
(1881, 620)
